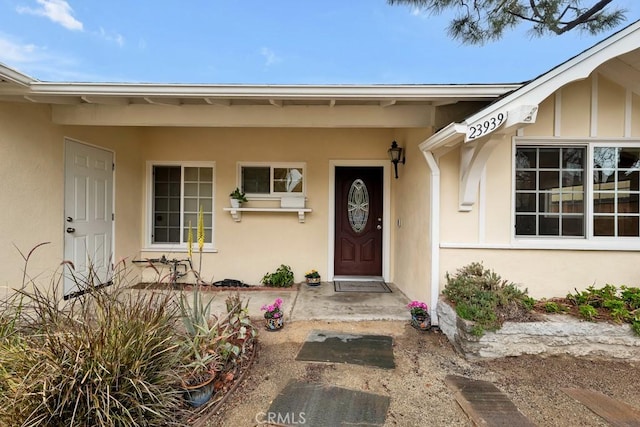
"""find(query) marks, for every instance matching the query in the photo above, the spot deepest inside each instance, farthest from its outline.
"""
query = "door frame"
(113, 202)
(386, 211)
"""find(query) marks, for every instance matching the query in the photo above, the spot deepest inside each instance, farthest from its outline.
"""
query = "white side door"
(88, 215)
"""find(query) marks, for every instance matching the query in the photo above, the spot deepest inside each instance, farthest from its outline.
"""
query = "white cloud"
(419, 11)
(16, 53)
(270, 56)
(57, 11)
(112, 37)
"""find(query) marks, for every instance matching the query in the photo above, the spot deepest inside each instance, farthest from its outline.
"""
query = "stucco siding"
(30, 168)
(262, 241)
(411, 219)
(547, 273)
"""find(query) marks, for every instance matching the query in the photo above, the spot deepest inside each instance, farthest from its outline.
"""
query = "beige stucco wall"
(32, 172)
(411, 218)
(486, 233)
(262, 241)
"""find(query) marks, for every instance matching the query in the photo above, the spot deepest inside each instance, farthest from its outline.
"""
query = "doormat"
(484, 403)
(368, 350)
(318, 405)
(353, 286)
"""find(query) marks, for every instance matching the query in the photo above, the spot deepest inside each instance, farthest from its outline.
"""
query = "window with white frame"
(577, 190)
(179, 191)
(272, 180)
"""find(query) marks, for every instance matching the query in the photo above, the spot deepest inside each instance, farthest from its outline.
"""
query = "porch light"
(395, 155)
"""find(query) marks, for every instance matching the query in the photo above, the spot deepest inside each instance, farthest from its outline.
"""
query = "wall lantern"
(396, 156)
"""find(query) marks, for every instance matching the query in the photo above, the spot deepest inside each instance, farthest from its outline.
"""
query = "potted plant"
(281, 278)
(273, 315)
(313, 277)
(237, 197)
(420, 318)
(201, 363)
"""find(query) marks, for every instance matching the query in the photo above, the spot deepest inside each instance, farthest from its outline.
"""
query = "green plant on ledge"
(239, 195)
(281, 278)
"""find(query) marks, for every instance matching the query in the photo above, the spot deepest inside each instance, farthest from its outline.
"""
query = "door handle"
(379, 227)
(71, 230)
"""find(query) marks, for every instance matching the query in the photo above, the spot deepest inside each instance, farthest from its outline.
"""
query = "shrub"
(587, 311)
(104, 358)
(281, 278)
(482, 296)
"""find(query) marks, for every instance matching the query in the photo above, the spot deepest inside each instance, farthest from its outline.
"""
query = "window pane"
(526, 158)
(206, 174)
(572, 226)
(549, 225)
(556, 196)
(627, 203)
(549, 158)
(287, 180)
(525, 180)
(603, 226)
(190, 189)
(525, 202)
(525, 225)
(190, 174)
(166, 203)
(549, 180)
(191, 205)
(256, 179)
(628, 226)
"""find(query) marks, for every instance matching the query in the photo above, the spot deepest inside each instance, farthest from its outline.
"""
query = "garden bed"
(553, 334)
(211, 288)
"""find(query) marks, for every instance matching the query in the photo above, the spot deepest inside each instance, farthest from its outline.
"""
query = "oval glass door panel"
(358, 205)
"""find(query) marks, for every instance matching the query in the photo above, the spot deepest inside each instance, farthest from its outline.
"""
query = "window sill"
(177, 250)
(236, 213)
(552, 244)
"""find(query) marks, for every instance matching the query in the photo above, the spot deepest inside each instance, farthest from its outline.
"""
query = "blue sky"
(263, 42)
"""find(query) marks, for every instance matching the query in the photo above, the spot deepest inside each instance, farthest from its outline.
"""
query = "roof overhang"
(484, 130)
(519, 107)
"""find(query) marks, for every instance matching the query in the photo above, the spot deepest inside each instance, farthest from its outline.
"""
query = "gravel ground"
(416, 386)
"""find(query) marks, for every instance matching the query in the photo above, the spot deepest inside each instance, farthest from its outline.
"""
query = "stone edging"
(556, 334)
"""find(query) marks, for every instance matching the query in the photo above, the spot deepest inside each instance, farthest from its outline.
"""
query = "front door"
(88, 210)
(358, 216)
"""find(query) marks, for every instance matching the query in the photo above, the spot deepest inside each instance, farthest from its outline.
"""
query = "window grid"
(272, 180)
(178, 192)
(549, 191)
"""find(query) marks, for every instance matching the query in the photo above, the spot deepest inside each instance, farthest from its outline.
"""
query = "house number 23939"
(485, 127)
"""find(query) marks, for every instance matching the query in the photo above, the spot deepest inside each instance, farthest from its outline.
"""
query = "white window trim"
(273, 195)
(177, 248)
(589, 241)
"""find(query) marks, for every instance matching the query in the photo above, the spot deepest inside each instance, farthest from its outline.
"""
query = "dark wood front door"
(358, 239)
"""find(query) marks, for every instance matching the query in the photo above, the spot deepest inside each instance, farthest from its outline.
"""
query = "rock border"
(556, 334)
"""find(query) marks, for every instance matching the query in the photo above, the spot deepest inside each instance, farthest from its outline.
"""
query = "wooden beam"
(332, 103)
(389, 103)
(219, 102)
(162, 101)
(62, 100)
(275, 102)
(107, 100)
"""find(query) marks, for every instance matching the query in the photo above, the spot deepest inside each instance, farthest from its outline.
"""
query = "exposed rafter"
(217, 101)
(64, 100)
(276, 102)
(106, 100)
(387, 103)
(162, 101)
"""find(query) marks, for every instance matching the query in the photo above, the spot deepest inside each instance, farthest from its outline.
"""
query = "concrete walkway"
(304, 302)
